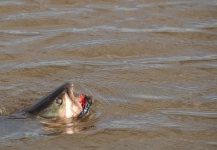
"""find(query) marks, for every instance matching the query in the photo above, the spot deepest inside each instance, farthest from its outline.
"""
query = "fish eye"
(59, 101)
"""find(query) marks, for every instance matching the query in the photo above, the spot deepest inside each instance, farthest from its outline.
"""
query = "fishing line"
(85, 59)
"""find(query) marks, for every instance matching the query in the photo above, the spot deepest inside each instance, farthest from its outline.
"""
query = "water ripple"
(210, 114)
(114, 29)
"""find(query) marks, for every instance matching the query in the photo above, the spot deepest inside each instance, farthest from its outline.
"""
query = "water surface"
(150, 65)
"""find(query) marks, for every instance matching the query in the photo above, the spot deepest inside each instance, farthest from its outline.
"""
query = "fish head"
(61, 103)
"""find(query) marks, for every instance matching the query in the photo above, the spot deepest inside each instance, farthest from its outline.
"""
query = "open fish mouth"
(76, 106)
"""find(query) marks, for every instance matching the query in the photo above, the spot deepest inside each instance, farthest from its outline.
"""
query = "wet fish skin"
(48, 106)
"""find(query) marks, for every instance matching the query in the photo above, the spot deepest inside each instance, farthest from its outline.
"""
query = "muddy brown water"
(150, 65)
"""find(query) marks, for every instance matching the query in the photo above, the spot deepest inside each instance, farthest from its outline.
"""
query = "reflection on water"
(150, 65)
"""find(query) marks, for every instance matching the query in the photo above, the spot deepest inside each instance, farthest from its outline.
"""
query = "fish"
(60, 104)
